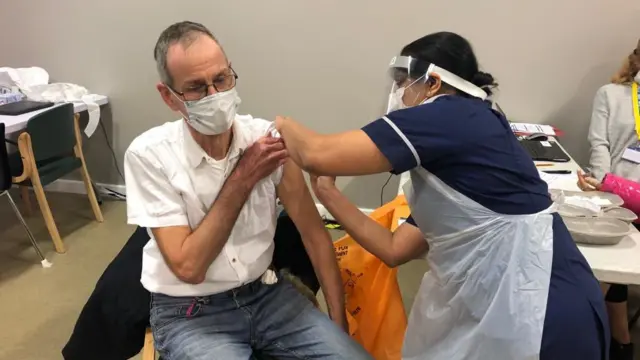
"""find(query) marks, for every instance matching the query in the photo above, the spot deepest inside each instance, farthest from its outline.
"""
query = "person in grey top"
(612, 127)
(612, 130)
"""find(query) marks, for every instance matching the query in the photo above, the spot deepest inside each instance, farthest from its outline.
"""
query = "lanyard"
(636, 106)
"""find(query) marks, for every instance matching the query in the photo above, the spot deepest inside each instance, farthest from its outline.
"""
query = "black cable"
(115, 159)
(382, 190)
(113, 153)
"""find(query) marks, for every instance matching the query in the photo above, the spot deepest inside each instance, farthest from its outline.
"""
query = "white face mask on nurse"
(407, 92)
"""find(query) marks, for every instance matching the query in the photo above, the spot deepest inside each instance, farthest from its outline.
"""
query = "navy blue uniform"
(472, 149)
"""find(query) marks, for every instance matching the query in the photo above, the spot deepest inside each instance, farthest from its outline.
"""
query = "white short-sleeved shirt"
(171, 181)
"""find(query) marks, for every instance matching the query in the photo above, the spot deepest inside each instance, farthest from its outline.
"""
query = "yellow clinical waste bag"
(375, 311)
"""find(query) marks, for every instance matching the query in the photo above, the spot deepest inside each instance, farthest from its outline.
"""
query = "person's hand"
(261, 159)
(588, 183)
(279, 122)
(322, 184)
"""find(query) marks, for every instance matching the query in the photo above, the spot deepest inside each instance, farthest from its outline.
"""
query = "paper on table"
(566, 182)
(595, 200)
(7, 85)
(34, 83)
(23, 78)
(65, 92)
(585, 202)
(94, 114)
(533, 128)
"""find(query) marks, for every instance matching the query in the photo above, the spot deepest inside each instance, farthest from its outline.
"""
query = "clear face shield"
(406, 71)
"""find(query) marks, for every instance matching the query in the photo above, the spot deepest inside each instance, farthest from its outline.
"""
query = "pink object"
(190, 309)
(628, 190)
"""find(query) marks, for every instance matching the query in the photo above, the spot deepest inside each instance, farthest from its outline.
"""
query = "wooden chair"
(5, 185)
(50, 148)
(148, 351)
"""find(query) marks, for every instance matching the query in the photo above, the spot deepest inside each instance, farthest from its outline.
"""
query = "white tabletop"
(619, 264)
(19, 122)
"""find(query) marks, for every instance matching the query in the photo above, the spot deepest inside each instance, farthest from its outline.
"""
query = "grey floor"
(38, 307)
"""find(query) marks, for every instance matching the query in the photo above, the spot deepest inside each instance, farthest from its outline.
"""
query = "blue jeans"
(249, 322)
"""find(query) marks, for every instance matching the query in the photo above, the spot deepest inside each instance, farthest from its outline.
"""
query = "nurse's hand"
(588, 183)
(280, 120)
(322, 184)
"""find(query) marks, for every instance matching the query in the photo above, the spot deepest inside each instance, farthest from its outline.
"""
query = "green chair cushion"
(50, 170)
(15, 164)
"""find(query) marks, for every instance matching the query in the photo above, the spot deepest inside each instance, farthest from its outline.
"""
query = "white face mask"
(395, 98)
(213, 114)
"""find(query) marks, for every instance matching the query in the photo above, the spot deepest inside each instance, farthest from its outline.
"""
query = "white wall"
(324, 62)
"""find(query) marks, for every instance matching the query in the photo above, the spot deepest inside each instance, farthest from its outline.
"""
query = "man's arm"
(189, 252)
(297, 200)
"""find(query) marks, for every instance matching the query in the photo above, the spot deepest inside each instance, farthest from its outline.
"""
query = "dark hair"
(185, 33)
(451, 52)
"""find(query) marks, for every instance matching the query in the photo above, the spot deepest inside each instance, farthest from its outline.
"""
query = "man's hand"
(261, 159)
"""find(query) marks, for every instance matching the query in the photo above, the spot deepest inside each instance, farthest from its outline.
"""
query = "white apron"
(485, 296)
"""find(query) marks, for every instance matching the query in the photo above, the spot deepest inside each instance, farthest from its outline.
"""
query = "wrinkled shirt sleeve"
(600, 158)
(628, 190)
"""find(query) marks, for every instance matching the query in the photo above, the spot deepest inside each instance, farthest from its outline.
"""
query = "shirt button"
(233, 260)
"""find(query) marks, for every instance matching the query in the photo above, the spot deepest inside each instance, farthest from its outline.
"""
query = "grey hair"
(185, 33)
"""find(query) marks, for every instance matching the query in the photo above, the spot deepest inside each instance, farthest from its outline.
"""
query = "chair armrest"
(28, 163)
(148, 351)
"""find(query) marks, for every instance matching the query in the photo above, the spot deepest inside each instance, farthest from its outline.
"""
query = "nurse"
(507, 281)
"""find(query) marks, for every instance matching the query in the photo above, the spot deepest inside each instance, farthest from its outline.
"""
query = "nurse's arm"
(348, 153)
(296, 198)
(393, 248)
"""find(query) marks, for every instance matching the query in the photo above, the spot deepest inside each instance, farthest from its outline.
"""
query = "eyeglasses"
(222, 82)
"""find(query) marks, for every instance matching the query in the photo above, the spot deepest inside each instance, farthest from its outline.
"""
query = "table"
(618, 264)
(19, 122)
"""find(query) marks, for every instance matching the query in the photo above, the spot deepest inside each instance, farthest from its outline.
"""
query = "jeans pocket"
(161, 316)
(165, 314)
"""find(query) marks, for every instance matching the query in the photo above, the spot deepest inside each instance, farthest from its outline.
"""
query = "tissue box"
(10, 98)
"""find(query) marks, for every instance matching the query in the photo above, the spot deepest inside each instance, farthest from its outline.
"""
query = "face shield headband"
(407, 67)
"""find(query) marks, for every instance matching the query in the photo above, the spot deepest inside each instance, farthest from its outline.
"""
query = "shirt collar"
(432, 99)
(195, 154)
